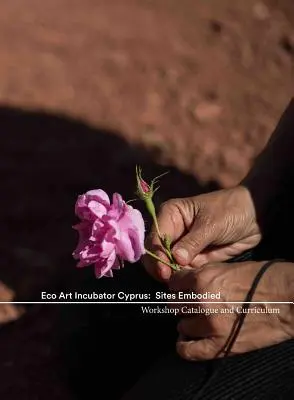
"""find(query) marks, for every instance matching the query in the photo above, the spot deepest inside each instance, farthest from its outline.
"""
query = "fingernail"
(182, 254)
(165, 273)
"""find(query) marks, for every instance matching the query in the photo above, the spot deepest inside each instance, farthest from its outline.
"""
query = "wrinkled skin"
(210, 227)
(203, 336)
(205, 231)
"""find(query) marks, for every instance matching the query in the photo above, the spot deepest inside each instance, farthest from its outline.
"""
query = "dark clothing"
(262, 375)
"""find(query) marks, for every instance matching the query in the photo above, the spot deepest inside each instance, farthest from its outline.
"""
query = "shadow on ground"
(71, 351)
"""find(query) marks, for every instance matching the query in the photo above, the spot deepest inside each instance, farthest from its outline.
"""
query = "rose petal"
(137, 244)
(103, 265)
(109, 274)
(108, 233)
(98, 209)
(124, 247)
(106, 248)
(84, 263)
(117, 264)
(118, 206)
(81, 208)
(113, 233)
(84, 229)
(98, 230)
(90, 254)
(99, 195)
(117, 201)
(133, 223)
(137, 220)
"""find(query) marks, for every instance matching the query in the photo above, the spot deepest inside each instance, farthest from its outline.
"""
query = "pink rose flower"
(108, 233)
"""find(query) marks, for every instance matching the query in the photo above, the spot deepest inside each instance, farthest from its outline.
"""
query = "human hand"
(210, 227)
(264, 325)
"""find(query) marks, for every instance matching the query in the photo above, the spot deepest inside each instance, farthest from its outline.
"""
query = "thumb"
(203, 349)
(187, 248)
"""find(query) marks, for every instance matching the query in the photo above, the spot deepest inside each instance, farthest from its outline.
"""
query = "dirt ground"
(204, 82)
(90, 88)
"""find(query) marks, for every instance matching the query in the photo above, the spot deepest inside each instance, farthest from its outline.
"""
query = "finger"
(191, 244)
(170, 223)
(203, 349)
(157, 270)
(185, 279)
(200, 260)
(196, 327)
(210, 257)
(219, 254)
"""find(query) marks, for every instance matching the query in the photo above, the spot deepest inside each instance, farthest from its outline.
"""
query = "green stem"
(151, 208)
(173, 266)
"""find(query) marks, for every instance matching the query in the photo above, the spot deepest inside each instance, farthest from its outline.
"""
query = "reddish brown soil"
(90, 88)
